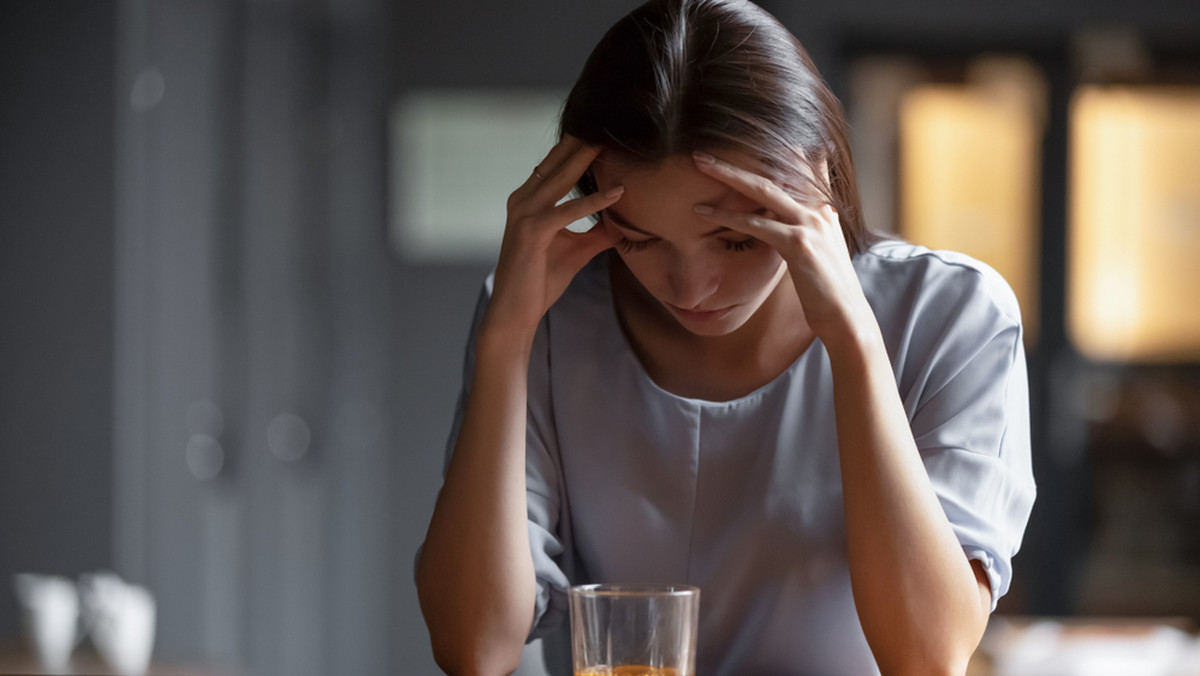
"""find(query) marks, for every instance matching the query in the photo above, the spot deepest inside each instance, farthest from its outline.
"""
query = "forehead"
(664, 194)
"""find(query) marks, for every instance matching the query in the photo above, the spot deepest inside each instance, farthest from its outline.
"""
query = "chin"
(710, 331)
(721, 325)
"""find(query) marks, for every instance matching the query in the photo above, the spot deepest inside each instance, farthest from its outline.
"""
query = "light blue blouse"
(627, 482)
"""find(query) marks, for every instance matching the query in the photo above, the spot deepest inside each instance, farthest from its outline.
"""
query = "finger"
(754, 224)
(580, 207)
(564, 177)
(760, 189)
(560, 152)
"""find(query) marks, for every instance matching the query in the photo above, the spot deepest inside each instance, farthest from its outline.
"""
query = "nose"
(692, 280)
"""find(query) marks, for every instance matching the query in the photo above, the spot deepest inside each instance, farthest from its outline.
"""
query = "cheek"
(754, 271)
(647, 268)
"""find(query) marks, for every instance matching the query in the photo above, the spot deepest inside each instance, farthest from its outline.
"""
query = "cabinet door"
(178, 527)
(252, 361)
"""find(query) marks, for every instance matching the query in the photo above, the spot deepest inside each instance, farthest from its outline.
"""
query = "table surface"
(1087, 645)
(1004, 633)
(17, 658)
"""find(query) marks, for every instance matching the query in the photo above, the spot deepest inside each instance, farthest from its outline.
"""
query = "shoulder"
(903, 280)
(938, 311)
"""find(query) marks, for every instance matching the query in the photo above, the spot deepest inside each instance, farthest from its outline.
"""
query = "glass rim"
(633, 589)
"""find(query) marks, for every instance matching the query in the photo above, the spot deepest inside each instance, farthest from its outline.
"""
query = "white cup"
(50, 614)
(120, 618)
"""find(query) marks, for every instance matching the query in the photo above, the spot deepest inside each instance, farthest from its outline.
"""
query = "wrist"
(499, 336)
(855, 338)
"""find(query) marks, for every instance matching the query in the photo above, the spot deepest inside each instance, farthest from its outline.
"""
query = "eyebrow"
(624, 223)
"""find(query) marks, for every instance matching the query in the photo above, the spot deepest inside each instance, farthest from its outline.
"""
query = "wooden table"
(17, 658)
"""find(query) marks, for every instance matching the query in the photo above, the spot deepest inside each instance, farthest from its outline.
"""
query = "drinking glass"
(634, 629)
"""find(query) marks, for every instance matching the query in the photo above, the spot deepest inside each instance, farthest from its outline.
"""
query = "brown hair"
(677, 76)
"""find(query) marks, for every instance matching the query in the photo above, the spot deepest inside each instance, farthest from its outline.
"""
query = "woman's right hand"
(539, 256)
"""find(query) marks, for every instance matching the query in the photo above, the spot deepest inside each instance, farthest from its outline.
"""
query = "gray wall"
(56, 289)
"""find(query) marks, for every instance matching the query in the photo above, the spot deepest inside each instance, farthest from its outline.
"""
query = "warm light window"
(1134, 241)
(970, 169)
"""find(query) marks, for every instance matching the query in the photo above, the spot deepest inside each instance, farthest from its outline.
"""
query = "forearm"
(475, 576)
(917, 597)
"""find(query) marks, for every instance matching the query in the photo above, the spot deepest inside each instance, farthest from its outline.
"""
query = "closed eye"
(627, 245)
(740, 245)
(749, 242)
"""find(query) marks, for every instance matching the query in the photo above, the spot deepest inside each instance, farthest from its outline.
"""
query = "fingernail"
(615, 192)
(703, 157)
(702, 209)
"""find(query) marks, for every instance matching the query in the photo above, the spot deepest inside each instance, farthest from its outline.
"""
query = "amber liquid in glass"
(631, 670)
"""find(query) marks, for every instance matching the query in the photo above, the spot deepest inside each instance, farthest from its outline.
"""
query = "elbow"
(929, 670)
(470, 632)
(464, 645)
(948, 668)
(941, 665)
(934, 652)
(458, 660)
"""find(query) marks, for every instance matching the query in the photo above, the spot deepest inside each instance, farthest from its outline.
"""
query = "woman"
(728, 382)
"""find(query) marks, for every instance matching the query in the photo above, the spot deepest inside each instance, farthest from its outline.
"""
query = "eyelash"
(628, 245)
(743, 245)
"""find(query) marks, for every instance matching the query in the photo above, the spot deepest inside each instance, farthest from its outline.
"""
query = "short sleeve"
(543, 476)
(965, 387)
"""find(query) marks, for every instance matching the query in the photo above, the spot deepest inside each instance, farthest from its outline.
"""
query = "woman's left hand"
(809, 238)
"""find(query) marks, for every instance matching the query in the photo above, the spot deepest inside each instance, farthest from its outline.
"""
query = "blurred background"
(240, 243)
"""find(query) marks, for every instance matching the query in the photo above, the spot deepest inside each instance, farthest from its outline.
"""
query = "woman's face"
(711, 280)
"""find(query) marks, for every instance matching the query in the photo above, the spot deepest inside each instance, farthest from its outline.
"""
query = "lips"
(700, 315)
